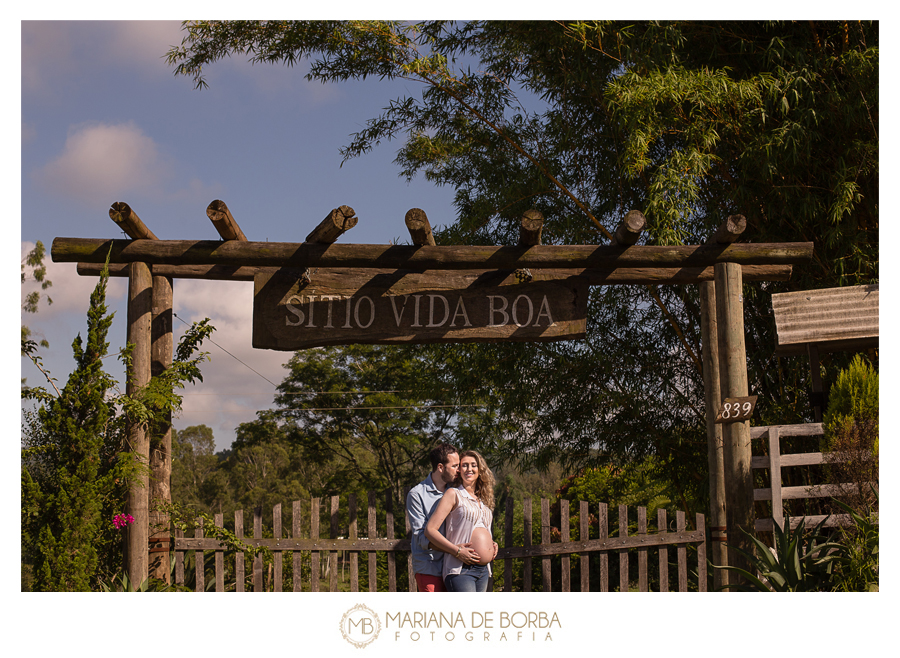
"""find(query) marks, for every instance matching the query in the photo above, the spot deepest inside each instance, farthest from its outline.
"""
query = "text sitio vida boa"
(483, 626)
(360, 312)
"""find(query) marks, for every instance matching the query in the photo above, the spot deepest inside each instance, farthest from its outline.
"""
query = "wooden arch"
(319, 268)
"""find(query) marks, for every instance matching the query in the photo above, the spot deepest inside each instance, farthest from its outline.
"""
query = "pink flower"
(122, 520)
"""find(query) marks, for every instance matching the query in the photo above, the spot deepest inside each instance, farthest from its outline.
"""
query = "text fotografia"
(477, 626)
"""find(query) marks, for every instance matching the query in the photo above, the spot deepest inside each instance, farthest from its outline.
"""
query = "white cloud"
(56, 54)
(235, 382)
(108, 162)
(144, 42)
(46, 55)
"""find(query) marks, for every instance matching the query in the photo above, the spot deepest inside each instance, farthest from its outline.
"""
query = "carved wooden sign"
(294, 309)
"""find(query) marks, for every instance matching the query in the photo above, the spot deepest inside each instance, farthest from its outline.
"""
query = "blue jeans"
(472, 578)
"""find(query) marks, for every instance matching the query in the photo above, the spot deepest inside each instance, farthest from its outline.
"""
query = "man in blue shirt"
(420, 503)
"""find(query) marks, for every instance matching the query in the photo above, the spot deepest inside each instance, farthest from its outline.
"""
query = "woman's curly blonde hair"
(484, 485)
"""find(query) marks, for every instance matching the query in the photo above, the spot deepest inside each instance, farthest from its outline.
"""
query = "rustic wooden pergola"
(719, 267)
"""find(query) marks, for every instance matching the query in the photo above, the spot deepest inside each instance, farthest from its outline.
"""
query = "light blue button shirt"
(420, 503)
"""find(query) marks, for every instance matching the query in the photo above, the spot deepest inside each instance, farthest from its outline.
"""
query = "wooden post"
(339, 221)
(140, 293)
(226, 226)
(530, 227)
(419, 227)
(727, 233)
(736, 435)
(630, 228)
(729, 230)
(713, 398)
(815, 371)
(122, 214)
(161, 433)
(775, 476)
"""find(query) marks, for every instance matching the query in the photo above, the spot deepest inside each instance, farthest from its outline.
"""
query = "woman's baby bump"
(483, 544)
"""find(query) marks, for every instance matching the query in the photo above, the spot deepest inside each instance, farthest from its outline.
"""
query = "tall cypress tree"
(71, 472)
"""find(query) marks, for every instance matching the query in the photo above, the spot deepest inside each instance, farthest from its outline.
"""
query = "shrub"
(850, 428)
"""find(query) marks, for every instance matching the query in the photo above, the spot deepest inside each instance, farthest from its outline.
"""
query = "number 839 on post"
(736, 409)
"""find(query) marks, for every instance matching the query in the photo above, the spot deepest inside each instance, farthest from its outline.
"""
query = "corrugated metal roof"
(832, 318)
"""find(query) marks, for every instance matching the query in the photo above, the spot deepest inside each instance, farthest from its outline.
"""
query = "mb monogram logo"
(360, 626)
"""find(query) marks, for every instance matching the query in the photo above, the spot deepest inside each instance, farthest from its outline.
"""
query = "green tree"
(358, 411)
(73, 473)
(688, 121)
(850, 441)
(75, 462)
(193, 462)
(37, 271)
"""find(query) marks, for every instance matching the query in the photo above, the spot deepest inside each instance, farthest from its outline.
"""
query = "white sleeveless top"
(468, 515)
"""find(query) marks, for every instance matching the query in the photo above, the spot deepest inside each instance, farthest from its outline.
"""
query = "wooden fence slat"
(507, 541)
(373, 532)
(775, 476)
(603, 515)
(565, 534)
(239, 555)
(623, 554)
(584, 522)
(295, 531)
(391, 558)
(199, 574)
(257, 561)
(315, 568)
(354, 555)
(179, 559)
(411, 574)
(662, 527)
(643, 585)
(681, 550)
(527, 541)
(333, 555)
(276, 534)
(701, 556)
(220, 558)
(545, 539)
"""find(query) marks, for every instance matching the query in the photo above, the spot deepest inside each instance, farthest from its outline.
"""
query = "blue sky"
(104, 119)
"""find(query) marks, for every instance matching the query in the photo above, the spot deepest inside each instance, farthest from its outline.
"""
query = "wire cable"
(231, 355)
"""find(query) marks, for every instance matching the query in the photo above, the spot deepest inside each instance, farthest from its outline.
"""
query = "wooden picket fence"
(354, 541)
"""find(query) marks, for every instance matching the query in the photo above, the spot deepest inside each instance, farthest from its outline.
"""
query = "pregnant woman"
(467, 508)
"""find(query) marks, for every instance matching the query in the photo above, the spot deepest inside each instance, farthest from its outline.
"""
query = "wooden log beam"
(161, 432)
(224, 221)
(288, 254)
(715, 454)
(595, 277)
(419, 227)
(630, 228)
(530, 227)
(736, 452)
(339, 221)
(729, 230)
(122, 214)
(140, 300)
